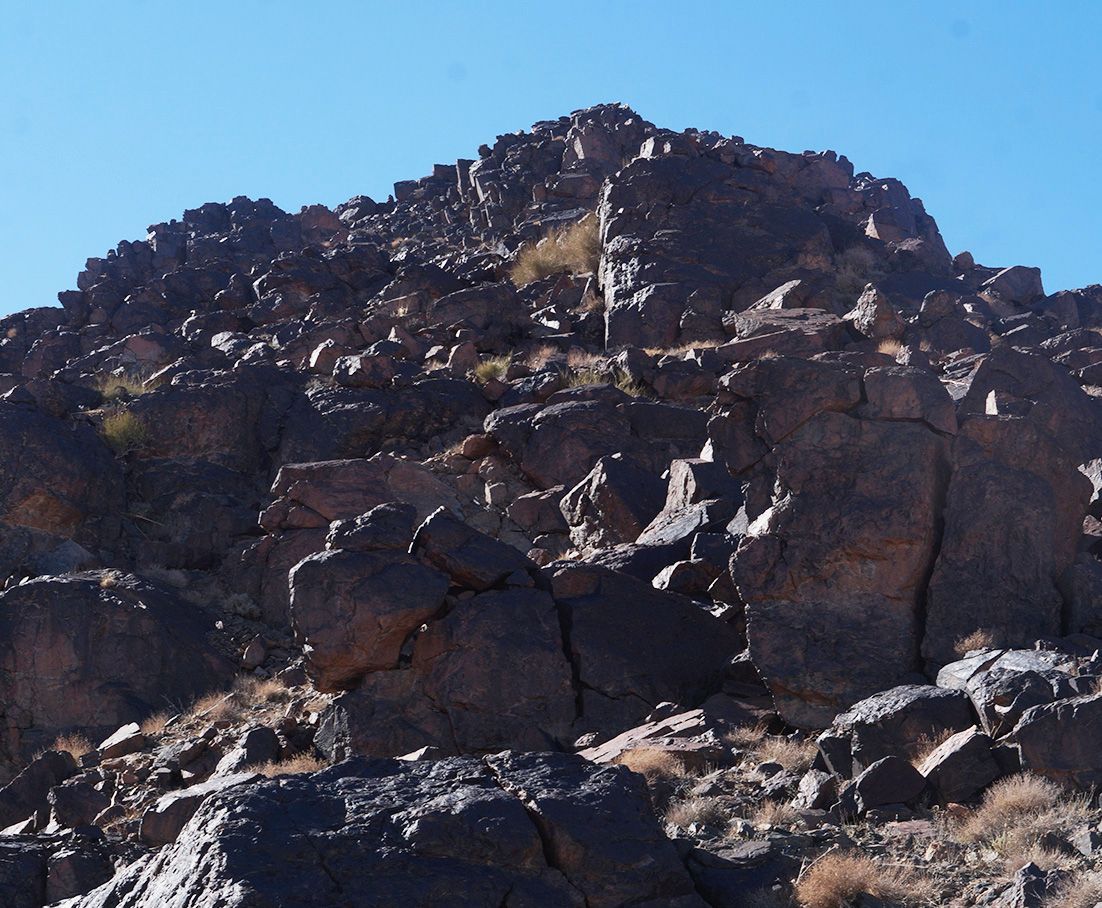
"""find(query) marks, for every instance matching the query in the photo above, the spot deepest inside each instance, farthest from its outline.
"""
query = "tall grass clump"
(124, 431)
(575, 249)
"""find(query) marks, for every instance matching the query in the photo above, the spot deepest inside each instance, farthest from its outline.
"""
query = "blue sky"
(120, 114)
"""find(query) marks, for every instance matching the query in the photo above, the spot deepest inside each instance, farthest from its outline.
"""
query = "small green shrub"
(494, 367)
(124, 431)
(112, 386)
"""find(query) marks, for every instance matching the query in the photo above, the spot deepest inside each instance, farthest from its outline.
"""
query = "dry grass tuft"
(1081, 890)
(925, 745)
(155, 724)
(889, 347)
(705, 811)
(793, 754)
(75, 744)
(491, 368)
(575, 249)
(653, 763)
(124, 431)
(616, 377)
(291, 766)
(982, 638)
(746, 737)
(248, 693)
(1019, 816)
(774, 813)
(113, 386)
(539, 357)
(837, 878)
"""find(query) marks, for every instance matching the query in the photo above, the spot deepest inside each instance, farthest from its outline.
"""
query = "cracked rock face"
(531, 830)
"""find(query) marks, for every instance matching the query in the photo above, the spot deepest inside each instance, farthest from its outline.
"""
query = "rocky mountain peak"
(619, 516)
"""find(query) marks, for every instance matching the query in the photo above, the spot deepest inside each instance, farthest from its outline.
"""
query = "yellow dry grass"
(706, 811)
(837, 878)
(981, 638)
(653, 763)
(1018, 816)
(492, 367)
(291, 766)
(124, 431)
(75, 744)
(575, 249)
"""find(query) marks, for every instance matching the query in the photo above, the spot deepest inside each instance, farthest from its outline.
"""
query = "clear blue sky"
(116, 115)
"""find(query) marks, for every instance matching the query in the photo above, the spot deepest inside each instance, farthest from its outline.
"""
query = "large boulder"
(92, 652)
(57, 478)
(634, 647)
(1013, 517)
(613, 503)
(352, 611)
(834, 611)
(548, 830)
(1062, 740)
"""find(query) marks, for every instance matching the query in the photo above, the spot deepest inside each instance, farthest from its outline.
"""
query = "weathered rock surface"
(525, 830)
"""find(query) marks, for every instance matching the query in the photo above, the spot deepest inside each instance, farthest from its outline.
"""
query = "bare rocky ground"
(622, 517)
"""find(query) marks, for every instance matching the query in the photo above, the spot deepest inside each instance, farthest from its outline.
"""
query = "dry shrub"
(705, 811)
(1081, 890)
(574, 249)
(925, 745)
(979, 639)
(615, 377)
(539, 357)
(837, 878)
(889, 347)
(774, 813)
(653, 763)
(579, 359)
(75, 744)
(291, 766)
(793, 754)
(124, 431)
(155, 724)
(491, 368)
(1018, 816)
(112, 386)
(746, 737)
(253, 691)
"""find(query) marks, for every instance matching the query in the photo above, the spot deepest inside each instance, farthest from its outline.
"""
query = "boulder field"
(615, 518)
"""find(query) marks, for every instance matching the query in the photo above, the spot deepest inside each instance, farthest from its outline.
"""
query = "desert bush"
(112, 386)
(1081, 890)
(653, 763)
(745, 737)
(706, 811)
(491, 368)
(539, 357)
(924, 745)
(579, 378)
(75, 744)
(774, 813)
(889, 347)
(982, 638)
(575, 249)
(793, 754)
(155, 724)
(291, 766)
(837, 878)
(124, 431)
(1019, 816)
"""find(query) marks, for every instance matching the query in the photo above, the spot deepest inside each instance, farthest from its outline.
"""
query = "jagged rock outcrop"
(663, 448)
(513, 829)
